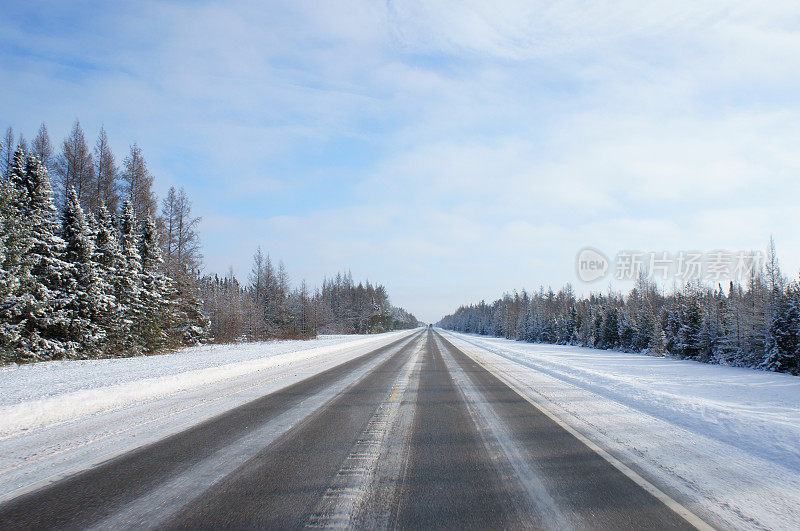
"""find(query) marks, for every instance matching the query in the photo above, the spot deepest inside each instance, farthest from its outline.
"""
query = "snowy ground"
(38, 394)
(725, 441)
(60, 417)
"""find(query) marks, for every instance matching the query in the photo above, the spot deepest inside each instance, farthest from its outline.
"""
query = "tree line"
(90, 268)
(752, 325)
(267, 306)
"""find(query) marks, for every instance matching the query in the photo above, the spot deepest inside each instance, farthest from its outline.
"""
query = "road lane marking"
(350, 488)
(168, 498)
(287, 371)
(675, 506)
(511, 460)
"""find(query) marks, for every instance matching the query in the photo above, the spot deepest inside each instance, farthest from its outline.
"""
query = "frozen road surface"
(413, 433)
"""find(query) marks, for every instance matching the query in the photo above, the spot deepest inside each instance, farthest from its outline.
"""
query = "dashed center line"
(350, 487)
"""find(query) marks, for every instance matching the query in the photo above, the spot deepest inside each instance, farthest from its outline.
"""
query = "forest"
(753, 325)
(91, 267)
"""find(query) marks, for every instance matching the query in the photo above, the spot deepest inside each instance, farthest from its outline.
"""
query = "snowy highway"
(412, 433)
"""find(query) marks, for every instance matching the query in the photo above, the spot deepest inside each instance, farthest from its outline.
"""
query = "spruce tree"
(610, 332)
(658, 338)
(111, 268)
(87, 305)
(32, 313)
(690, 343)
(13, 246)
(157, 294)
(131, 281)
(50, 271)
(783, 343)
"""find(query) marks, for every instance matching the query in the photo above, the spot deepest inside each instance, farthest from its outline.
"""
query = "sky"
(450, 150)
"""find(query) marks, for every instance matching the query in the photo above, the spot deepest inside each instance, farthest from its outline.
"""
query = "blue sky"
(450, 150)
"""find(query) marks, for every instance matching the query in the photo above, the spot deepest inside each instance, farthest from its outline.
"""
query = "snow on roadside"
(40, 394)
(726, 439)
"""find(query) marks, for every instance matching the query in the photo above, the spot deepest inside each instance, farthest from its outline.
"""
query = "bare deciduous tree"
(180, 242)
(106, 176)
(7, 152)
(74, 169)
(138, 184)
(43, 148)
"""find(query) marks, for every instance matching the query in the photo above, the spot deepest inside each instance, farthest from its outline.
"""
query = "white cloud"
(451, 150)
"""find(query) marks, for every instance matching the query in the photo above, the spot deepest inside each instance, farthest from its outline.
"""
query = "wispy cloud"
(449, 149)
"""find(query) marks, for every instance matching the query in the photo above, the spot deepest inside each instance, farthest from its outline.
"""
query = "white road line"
(168, 498)
(59, 454)
(349, 489)
(678, 508)
(539, 505)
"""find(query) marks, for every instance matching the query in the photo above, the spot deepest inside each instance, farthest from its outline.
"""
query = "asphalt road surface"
(415, 434)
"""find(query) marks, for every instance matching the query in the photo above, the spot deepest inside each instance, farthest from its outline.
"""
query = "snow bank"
(40, 394)
(727, 439)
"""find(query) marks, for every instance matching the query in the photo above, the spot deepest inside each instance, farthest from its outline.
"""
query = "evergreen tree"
(111, 267)
(157, 296)
(86, 305)
(658, 338)
(14, 243)
(610, 334)
(690, 344)
(33, 314)
(131, 282)
(783, 345)
(50, 271)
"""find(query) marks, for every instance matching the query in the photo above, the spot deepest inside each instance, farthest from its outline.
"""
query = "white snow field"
(724, 441)
(57, 418)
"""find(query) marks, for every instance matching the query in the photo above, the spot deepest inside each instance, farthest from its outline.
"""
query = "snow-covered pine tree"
(610, 333)
(112, 267)
(672, 318)
(658, 339)
(31, 315)
(158, 294)
(173, 300)
(13, 245)
(86, 305)
(50, 271)
(783, 341)
(573, 326)
(690, 334)
(131, 280)
(645, 330)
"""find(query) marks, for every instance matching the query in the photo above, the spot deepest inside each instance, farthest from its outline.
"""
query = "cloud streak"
(451, 150)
